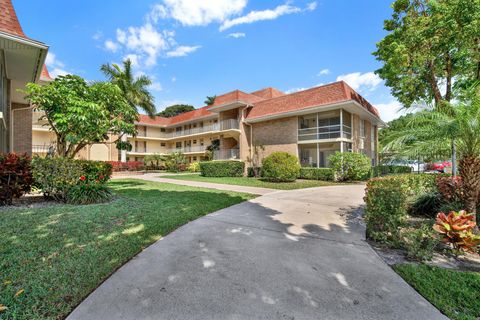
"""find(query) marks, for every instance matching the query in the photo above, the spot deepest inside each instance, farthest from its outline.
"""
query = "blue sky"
(193, 48)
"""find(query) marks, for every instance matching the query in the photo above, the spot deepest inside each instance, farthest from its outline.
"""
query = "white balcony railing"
(226, 154)
(190, 149)
(324, 132)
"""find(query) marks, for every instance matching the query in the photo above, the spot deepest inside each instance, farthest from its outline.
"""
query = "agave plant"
(456, 229)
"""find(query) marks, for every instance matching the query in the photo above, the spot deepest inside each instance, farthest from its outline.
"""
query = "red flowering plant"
(457, 229)
(15, 177)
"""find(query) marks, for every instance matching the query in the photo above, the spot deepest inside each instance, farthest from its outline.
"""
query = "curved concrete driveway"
(286, 255)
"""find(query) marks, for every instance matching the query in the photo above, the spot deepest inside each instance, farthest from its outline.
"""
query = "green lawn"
(253, 182)
(456, 294)
(58, 255)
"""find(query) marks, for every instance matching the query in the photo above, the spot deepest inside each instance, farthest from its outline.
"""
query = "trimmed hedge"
(323, 174)
(350, 166)
(15, 177)
(222, 168)
(280, 167)
(387, 201)
(383, 170)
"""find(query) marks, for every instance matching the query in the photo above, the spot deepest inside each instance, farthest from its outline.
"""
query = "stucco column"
(123, 153)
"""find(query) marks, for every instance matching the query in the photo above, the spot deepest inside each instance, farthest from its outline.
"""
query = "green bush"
(15, 177)
(350, 166)
(419, 242)
(194, 167)
(97, 171)
(88, 193)
(382, 170)
(427, 205)
(323, 174)
(280, 167)
(387, 200)
(222, 168)
(251, 172)
(56, 176)
(175, 162)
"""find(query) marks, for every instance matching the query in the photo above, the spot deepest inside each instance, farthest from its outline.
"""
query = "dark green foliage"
(387, 200)
(419, 242)
(222, 168)
(426, 205)
(15, 177)
(378, 171)
(96, 170)
(251, 172)
(324, 174)
(88, 193)
(175, 110)
(350, 166)
(280, 167)
(175, 162)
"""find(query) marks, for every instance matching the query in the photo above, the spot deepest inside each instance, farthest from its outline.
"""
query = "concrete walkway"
(295, 254)
(157, 177)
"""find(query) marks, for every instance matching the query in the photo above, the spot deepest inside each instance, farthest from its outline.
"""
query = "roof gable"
(8, 19)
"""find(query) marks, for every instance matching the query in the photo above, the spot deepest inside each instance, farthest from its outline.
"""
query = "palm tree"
(436, 132)
(134, 88)
(210, 100)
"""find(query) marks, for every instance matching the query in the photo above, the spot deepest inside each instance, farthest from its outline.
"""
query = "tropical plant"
(457, 229)
(194, 167)
(254, 160)
(435, 132)
(175, 110)
(154, 161)
(15, 177)
(419, 242)
(88, 193)
(82, 114)
(134, 89)
(175, 162)
(210, 100)
(350, 166)
(280, 167)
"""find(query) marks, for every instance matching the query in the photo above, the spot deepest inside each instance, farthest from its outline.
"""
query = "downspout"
(251, 130)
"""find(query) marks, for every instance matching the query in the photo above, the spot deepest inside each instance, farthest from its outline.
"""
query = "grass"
(252, 182)
(57, 255)
(455, 293)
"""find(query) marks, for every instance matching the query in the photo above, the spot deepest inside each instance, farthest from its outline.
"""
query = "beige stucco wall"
(277, 135)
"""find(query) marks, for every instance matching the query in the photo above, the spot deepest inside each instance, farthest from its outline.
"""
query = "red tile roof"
(319, 96)
(268, 93)
(280, 103)
(8, 19)
(184, 117)
(234, 96)
(45, 74)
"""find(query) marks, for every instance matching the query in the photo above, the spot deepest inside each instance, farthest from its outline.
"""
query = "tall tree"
(135, 89)
(432, 46)
(430, 132)
(81, 114)
(210, 100)
(175, 110)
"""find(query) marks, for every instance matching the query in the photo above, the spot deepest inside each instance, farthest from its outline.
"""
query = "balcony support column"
(123, 153)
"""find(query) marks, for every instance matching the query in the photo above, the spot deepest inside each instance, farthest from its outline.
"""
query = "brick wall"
(22, 128)
(277, 135)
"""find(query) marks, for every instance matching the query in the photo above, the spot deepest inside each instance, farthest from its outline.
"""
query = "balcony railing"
(190, 149)
(226, 154)
(36, 122)
(324, 132)
(228, 124)
(43, 149)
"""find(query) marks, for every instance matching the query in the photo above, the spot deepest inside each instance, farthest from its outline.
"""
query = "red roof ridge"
(9, 22)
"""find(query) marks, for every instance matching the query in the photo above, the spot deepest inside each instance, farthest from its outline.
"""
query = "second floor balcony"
(325, 126)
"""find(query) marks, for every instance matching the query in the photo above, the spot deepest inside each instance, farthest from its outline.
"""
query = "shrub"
(135, 165)
(175, 162)
(280, 167)
(194, 167)
(97, 171)
(15, 177)
(324, 174)
(55, 176)
(88, 193)
(222, 168)
(154, 161)
(387, 200)
(349, 166)
(419, 242)
(457, 229)
(427, 205)
(251, 172)
(383, 170)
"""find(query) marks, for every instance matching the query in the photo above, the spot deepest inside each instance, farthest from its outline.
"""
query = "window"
(162, 144)
(194, 141)
(201, 142)
(162, 129)
(194, 158)
(178, 145)
(362, 129)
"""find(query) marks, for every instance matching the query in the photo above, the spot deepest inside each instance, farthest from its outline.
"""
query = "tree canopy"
(134, 89)
(81, 114)
(175, 110)
(432, 48)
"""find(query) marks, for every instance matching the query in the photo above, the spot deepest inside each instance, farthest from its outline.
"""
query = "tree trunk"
(454, 158)
(470, 173)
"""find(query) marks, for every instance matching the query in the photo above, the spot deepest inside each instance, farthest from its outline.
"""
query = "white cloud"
(156, 86)
(198, 13)
(133, 58)
(111, 46)
(237, 35)
(390, 110)
(293, 90)
(182, 51)
(361, 81)
(97, 35)
(269, 14)
(55, 66)
(323, 72)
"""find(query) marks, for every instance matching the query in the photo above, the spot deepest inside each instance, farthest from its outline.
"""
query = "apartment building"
(311, 124)
(21, 61)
